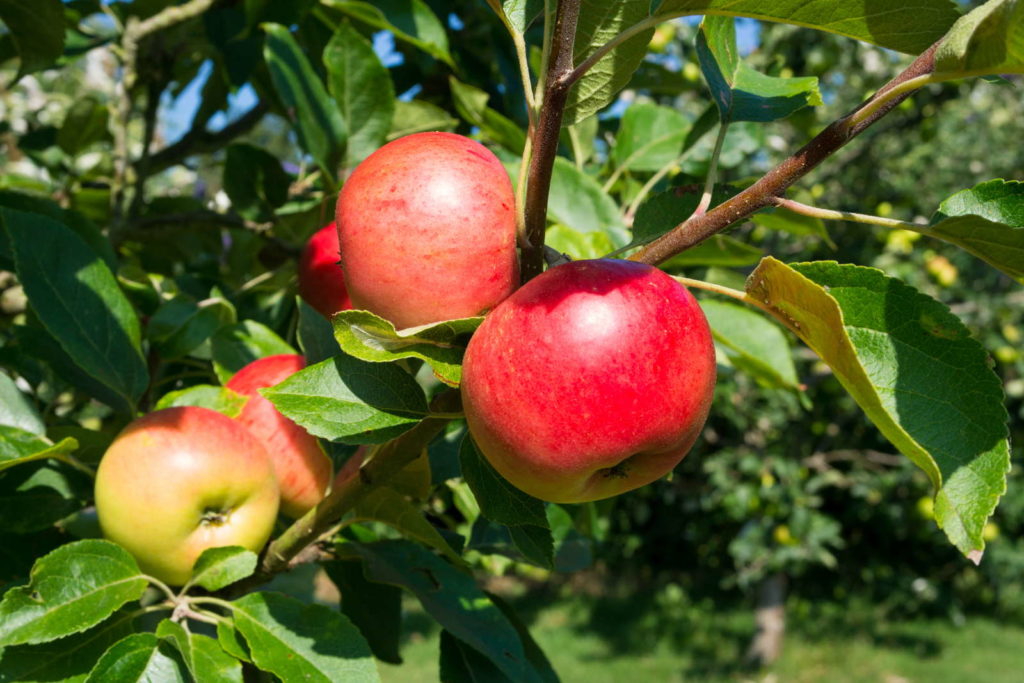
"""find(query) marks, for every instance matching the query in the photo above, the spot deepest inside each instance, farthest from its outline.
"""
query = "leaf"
(449, 596)
(220, 567)
(578, 201)
(499, 501)
(255, 182)
(650, 137)
(140, 657)
(36, 495)
(315, 334)
(70, 590)
(221, 399)
(372, 338)
(203, 656)
(535, 543)
(987, 40)
(471, 103)
(719, 250)
(300, 642)
(349, 400)
(663, 211)
(987, 221)
(318, 124)
(913, 368)
(232, 642)
(180, 326)
(235, 346)
(578, 245)
(784, 220)
(18, 446)
(37, 29)
(519, 13)
(752, 342)
(84, 124)
(391, 508)
(78, 301)
(16, 409)
(74, 220)
(417, 116)
(411, 21)
(375, 608)
(362, 87)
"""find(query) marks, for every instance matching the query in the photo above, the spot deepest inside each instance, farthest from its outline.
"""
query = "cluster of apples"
(592, 379)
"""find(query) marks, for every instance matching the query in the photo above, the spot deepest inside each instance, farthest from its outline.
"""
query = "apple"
(321, 282)
(427, 230)
(303, 469)
(593, 379)
(178, 481)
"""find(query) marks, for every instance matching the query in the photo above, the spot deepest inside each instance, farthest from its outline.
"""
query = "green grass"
(612, 641)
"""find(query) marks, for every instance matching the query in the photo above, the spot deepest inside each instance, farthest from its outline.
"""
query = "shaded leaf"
(255, 181)
(221, 399)
(235, 346)
(140, 657)
(987, 40)
(16, 409)
(499, 501)
(181, 325)
(220, 567)
(203, 656)
(752, 343)
(390, 507)
(471, 103)
(37, 29)
(375, 608)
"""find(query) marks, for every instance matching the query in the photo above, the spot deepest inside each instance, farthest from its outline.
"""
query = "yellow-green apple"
(592, 379)
(178, 481)
(303, 469)
(321, 282)
(427, 230)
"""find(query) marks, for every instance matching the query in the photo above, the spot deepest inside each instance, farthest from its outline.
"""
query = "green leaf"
(499, 501)
(203, 656)
(37, 29)
(221, 399)
(349, 400)
(578, 245)
(84, 124)
(235, 346)
(449, 596)
(372, 338)
(78, 301)
(784, 220)
(16, 409)
(18, 446)
(650, 137)
(913, 368)
(70, 590)
(752, 343)
(719, 250)
(181, 325)
(300, 642)
(535, 543)
(518, 14)
(232, 642)
(315, 334)
(141, 657)
(411, 21)
(471, 103)
(460, 663)
(417, 116)
(987, 40)
(663, 211)
(579, 201)
(987, 221)
(362, 87)
(220, 567)
(36, 495)
(375, 608)
(740, 92)
(69, 659)
(254, 181)
(391, 508)
(82, 226)
(318, 124)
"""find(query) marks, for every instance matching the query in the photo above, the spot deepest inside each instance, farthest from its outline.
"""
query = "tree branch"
(199, 140)
(763, 193)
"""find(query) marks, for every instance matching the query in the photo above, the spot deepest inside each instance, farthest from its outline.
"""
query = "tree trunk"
(766, 646)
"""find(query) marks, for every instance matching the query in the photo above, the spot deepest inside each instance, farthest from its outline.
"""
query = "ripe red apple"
(427, 230)
(303, 469)
(321, 282)
(181, 480)
(593, 379)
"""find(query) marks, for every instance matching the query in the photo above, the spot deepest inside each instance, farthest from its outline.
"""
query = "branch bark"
(763, 193)
(199, 140)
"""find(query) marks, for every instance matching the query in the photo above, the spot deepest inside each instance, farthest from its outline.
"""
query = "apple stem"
(162, 587)
(729, 292)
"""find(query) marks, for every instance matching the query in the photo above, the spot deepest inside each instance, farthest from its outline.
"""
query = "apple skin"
(167, 477)
(321, 282)
(427, 230)
(593, 379)
(303, 469)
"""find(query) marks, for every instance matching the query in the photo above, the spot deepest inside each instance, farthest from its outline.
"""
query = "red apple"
(427, 230)
(303, 469)
(593, 379)
(321, 282)
(181, 480)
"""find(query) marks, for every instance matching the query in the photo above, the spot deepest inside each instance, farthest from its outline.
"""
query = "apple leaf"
(220, 567)
(579, 201)
(663, 211)
(987, 40)
(235, 346)
(986, 220)
(578, 245)
(374, 339)
(449, 596)
(350, 400)
(320, 129)
(411, 21)
(499, 500)
(18, 446)
(752, 343)
(417, 116)
(77, 222)
(181, 325)
(255, 181)
(390, 507)
(232, 642)
(203, 656)
(86, 122)
(71, 589)
(650, 136)
(16, 409)
(37, 494)
(37, 30)
(300, 642)
(740, 92)
(221, 399)
(140, 657)
(375, 608)
(471, 103)
(315, 334)
(78, 301)
(718, 250)
(914, 369)
(784, 220)
(69, 659)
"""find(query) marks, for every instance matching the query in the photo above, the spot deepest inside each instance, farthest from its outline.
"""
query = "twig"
(199, 140)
